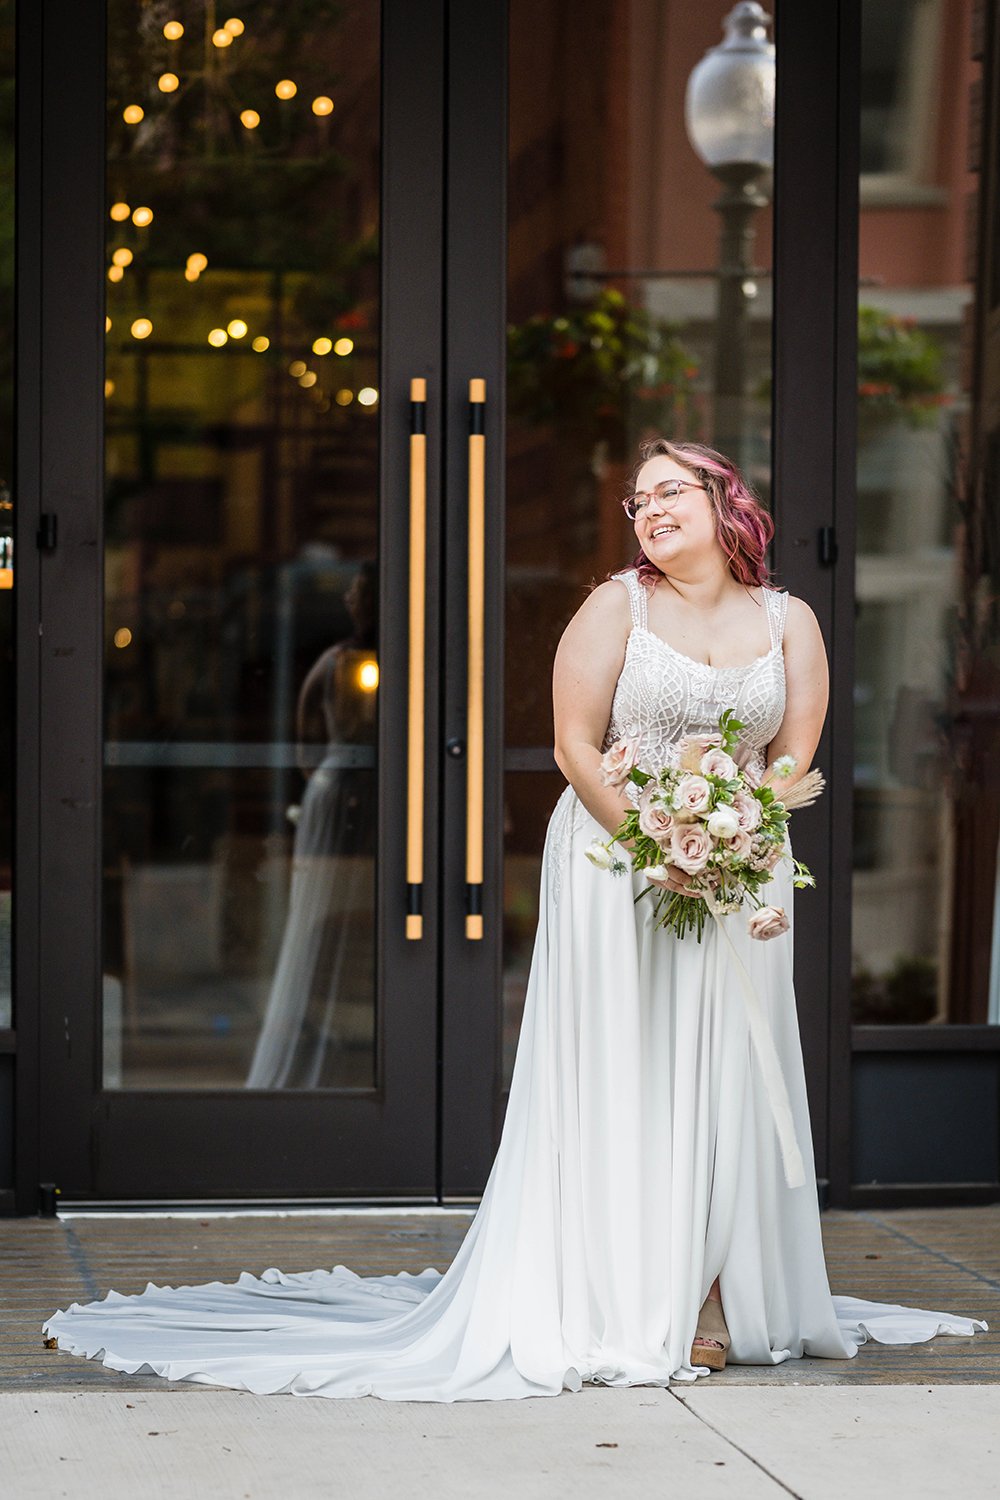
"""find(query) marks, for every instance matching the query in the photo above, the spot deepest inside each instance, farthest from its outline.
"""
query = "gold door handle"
(415, 707)
(476, 661)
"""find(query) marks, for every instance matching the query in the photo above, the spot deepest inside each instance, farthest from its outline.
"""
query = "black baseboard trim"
(922, 1194)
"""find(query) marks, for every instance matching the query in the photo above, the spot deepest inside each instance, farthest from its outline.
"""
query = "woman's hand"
(676, 880)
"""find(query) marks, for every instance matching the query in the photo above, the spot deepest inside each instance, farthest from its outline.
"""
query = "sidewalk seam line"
(681, 1397)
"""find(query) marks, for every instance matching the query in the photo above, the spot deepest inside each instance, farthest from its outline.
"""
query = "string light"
(141, 217)
(368, 676)
(222, 37)
(107, 324)
(132, 114)
(236, 329)
(308, 379)
(141, 328)
(218, 337)
(120, 212)
(197, 261)
(109, 389)
(297, 368)
(367, 396)
(122, 256)
(344, 398)
(343, 346)
(260, 343)
(250, 119)
(190, 274)
(167, 82)
(286, 89)
(123, 637)
(235, 25)
(322, 105)
(322, 346)
(115, 273)
(173, 31)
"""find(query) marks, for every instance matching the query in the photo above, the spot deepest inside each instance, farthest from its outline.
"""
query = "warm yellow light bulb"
(368, 676)
(367, 395)
(122, 256)
(173, 31)
(286, 89)
(167, 82)
(236, 329)
(322, 346)
(218, 337)
(141, 217)
(141, 328)
(115, 273)
(235, 25)
(132, 114)
(250, 119)
(309, 378)
(222, 37)
(190, 274)
(260, 343)
(322, 105)
(343, 346)
(123, 637)
(119, 212)
(109, 388)
(197, 261)
(297, 368)
(344, 398)
(107, 325)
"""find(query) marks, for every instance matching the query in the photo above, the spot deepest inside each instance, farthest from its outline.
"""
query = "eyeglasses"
(665, 493)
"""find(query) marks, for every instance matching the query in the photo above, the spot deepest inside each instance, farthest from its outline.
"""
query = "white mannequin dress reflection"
(638, 1161)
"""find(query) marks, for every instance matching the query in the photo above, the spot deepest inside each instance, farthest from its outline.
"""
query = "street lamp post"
(729, 115)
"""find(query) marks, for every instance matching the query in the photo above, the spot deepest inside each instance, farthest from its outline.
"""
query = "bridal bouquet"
(704, 812)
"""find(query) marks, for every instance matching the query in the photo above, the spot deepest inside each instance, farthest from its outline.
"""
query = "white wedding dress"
(639, 1158)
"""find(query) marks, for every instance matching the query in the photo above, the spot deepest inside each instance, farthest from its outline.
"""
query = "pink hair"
(744, 528)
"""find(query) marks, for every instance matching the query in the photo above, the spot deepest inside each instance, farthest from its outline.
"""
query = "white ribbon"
(767, 1061)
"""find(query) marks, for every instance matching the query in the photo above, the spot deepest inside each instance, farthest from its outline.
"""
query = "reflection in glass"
(927, 686)
(241, 459)
(639, 303)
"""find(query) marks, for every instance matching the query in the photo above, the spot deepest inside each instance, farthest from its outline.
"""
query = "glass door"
(253, 493)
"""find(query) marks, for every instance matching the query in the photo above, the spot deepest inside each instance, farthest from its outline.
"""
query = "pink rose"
(617, 762)
(654, 817)
(748, 810)
(718, 763)
(693, 746)
(692, 795)
(768, 922)
(739, 844)
(690, 847)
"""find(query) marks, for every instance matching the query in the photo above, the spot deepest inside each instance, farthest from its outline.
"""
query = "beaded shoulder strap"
(637, 596)
(777, 608)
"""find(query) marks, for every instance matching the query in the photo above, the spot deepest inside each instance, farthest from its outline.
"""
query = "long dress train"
(638, 1159)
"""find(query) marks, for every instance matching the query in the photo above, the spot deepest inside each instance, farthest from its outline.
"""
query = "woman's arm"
(807, 693)
(587, 665)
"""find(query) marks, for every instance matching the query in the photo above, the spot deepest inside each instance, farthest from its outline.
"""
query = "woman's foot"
(711, 1340)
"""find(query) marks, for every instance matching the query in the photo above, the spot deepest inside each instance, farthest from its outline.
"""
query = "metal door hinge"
(48, 527)
(827, 546)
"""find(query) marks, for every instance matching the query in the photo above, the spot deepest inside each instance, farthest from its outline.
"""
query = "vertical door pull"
(476, 661)
(415, 707)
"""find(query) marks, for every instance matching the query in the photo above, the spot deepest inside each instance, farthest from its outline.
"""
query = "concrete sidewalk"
(917, 1420)
(815, 1442)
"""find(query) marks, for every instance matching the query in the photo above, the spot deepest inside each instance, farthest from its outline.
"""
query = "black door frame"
(60, 157)
(372, 1144)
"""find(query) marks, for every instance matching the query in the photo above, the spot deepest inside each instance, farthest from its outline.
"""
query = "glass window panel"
(621, 326)
(241, 544)
(927, 689)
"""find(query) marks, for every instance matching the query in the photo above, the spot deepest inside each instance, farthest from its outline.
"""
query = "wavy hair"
(744, 528)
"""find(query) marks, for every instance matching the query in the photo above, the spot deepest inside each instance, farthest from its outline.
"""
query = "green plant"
(602, 372)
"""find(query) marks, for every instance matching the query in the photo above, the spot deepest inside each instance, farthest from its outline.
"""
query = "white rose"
(723, 823)
(599, 854)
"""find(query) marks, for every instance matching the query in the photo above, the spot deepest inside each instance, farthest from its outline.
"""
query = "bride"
(645, 1218)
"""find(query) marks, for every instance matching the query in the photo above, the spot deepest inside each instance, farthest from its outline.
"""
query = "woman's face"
(677, 531)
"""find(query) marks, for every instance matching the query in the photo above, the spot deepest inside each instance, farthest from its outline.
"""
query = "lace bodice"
(661, 693)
